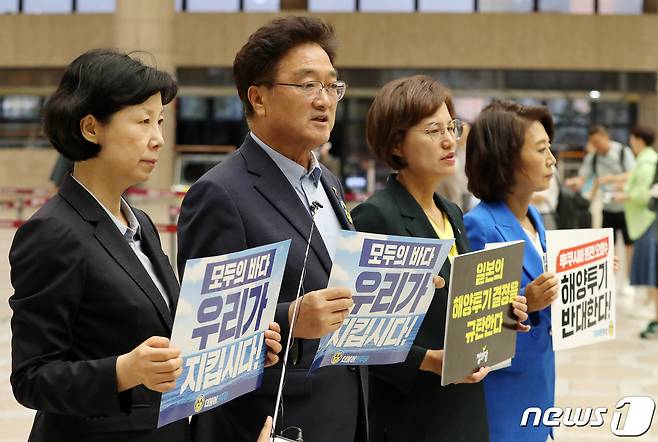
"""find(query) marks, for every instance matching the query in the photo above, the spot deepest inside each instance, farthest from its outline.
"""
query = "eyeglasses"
(438, 132)
(312, 89)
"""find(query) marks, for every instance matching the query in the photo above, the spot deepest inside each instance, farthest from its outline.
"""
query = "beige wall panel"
(26, 167)
(51, 40)
(512, 41)
(518, 41)
(647, 110)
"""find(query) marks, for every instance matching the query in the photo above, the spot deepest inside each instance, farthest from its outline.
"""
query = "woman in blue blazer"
(508, 158)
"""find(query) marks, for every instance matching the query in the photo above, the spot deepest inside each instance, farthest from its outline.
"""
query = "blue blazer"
(530, 381)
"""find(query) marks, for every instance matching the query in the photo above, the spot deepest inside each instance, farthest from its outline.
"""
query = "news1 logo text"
(632, 416)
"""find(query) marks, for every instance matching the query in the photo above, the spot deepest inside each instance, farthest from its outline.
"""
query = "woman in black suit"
(95, 296)
(411, 127)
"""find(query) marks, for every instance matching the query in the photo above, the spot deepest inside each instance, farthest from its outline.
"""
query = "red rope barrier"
(16, 223)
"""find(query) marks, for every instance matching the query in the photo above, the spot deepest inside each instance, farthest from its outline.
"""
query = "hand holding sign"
(520, 310)
(321, 312)
(152, 363)
(541, 292)
(433, 362)
(273, 343)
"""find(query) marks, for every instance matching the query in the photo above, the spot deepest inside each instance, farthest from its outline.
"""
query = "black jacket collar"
(107, 233)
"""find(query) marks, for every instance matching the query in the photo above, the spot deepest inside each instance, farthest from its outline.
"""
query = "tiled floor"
(594, 376)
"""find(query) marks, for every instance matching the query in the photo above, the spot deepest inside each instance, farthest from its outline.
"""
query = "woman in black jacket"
(95, 296)
(411, 127)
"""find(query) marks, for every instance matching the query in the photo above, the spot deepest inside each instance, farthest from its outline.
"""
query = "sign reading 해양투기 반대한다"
(226, 303)
(392, 284)
(583, 262)
(480, 324)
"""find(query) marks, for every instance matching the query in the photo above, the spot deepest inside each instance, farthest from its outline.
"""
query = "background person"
(640, 220)
(608, 165)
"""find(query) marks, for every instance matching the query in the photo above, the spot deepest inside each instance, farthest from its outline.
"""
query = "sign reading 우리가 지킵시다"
(226, 303)
(392, 284)
(480, 324)
(583, 262)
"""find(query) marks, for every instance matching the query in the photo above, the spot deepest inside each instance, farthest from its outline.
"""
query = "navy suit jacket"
(530, 381)
(243, 202)
(82, 297)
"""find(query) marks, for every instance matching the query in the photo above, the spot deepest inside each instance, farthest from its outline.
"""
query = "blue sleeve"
(476, 232)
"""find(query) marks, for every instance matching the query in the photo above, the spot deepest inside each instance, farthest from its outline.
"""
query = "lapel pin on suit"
(342, 203)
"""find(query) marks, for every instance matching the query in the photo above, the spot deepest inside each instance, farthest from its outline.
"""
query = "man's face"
(600, 141)
(290, 117)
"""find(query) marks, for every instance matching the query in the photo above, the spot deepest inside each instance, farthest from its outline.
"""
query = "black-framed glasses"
(313, 89)
(437, 132)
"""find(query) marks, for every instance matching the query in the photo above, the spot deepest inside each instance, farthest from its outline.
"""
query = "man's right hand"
(321, 312)
(541, 292)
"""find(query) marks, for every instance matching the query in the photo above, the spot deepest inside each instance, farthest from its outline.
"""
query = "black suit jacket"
(246, 201)
(405, 403)
(82, 297)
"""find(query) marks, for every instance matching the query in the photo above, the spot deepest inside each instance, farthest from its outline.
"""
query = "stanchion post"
(20, 207)
(172, 236)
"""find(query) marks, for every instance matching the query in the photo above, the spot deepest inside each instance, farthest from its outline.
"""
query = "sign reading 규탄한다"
(480, 325)
(226, 303)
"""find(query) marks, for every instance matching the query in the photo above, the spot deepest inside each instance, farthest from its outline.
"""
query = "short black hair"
(645, 133)
(256, 62)
(494, 143)
(596, 129)
(99, 82)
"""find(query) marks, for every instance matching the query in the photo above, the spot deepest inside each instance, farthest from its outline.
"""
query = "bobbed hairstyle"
(400, 105)
(644, 133)
(494, 143)
(99, 82)
(257, 61)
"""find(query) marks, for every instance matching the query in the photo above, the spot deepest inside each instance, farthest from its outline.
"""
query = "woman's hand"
(433, 362)
(439, 282)
(520, 309)
(541, 292)
(273, 343)
(153, 363)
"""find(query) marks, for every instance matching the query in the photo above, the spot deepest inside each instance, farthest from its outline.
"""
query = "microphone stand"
(314, 206)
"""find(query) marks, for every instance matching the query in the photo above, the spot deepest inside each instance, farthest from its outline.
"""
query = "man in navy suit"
(271, 189)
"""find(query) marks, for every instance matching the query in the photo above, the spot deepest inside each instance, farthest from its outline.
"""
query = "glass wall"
(506, 5)
(8, 6)
(446, 6)
(567, 6)
(47, 6)
(96, 6)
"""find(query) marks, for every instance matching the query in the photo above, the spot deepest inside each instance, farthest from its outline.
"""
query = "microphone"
(313, 206)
